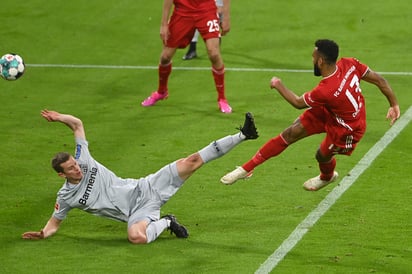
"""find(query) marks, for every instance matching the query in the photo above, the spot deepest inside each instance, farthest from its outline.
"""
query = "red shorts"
(182, 28)
(338, 140)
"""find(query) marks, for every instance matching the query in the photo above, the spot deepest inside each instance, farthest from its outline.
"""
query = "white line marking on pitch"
(86, 66)
(335, 194)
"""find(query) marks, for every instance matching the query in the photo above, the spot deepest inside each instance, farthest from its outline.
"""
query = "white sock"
(195, 36)
(220, 147)
(154, 229)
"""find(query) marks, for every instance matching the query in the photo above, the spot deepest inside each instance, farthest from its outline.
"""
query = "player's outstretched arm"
(375, 78)
(290, 96)
(49, 229)
(72, 122)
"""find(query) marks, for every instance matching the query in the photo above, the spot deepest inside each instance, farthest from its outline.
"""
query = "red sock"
(164, 72)
(219, 77)
(273, 147)
(326, 169)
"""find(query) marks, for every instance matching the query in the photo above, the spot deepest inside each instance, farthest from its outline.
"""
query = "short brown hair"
(58, 159)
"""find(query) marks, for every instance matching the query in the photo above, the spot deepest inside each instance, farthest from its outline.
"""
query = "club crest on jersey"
(78, 151)
(84, 168)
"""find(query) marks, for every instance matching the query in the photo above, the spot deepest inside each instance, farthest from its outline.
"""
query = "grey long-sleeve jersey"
(100, 192)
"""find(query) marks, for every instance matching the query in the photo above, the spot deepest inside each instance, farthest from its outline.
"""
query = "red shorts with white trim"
(182, 28)
(339, 139)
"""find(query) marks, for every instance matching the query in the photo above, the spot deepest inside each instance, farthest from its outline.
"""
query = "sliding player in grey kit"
(91, 187)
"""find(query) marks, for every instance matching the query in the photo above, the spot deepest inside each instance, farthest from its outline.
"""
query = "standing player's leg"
(191, 52)
(180, 30)
(218, 72)
(209, 29)
(327, 164)
(164, 70)
(340, 142)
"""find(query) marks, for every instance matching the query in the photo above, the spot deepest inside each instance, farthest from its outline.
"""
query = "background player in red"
(336, 107)
(191, 52)
(187, 16)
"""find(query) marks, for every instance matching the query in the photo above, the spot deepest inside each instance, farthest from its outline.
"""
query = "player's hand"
(50, 115)
(225, 27)
(164, 33)
(393, 114)
(33, 235)
(275, 82)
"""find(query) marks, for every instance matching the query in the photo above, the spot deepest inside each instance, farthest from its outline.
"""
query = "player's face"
(315, 59)
(71, 171)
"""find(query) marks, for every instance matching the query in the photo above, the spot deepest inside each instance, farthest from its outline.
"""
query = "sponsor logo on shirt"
(89, 187)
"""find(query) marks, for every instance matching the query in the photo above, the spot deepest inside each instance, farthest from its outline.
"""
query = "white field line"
(78, 66)
(335, 194)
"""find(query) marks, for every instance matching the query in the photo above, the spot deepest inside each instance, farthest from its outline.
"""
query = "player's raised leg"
(187, 166)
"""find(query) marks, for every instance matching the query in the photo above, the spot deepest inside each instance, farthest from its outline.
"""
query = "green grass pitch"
(233, 229)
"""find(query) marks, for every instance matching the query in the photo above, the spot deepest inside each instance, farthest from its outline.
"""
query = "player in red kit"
(176, 31)
(336, 107)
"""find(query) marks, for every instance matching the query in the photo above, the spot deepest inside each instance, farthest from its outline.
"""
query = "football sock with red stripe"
(164, 72)
(272, 148)
(326, 169)
(219, 77)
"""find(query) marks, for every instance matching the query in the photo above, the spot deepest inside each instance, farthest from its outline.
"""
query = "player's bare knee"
(190, 163)
(164, 62)
(215, 58)
(137, 238)
(194, 161)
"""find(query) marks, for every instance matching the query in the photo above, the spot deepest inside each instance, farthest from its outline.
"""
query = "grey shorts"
(156, 189)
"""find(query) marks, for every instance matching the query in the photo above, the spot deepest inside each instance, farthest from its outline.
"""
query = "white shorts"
(155, 190)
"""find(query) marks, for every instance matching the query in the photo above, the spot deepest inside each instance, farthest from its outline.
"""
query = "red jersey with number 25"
(341, 95)
(188, 7)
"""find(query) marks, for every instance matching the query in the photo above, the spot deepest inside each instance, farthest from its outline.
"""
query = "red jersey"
(189, 7)
(341, 95)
